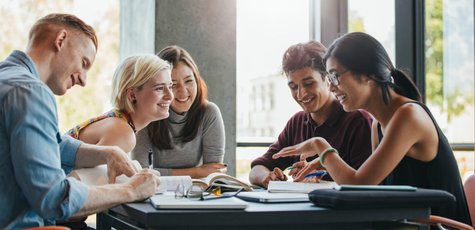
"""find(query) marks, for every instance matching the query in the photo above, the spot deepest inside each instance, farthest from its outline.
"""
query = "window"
(104, 17)
(363, 18)
(449, 63)
(265, 29)
(450, 74)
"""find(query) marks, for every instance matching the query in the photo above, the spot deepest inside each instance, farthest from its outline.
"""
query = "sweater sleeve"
(142, 147)
(213, 142)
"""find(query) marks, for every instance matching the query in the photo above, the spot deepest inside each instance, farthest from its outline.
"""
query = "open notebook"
(167, 200)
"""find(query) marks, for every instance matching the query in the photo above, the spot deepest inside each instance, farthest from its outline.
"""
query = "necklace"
(129, 121)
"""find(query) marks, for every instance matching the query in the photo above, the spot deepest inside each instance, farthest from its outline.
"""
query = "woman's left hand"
(310, 167)
(306, 149)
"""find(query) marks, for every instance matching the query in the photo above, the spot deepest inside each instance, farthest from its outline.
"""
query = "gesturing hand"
(297, 168)
(310, 167)
(306, 149)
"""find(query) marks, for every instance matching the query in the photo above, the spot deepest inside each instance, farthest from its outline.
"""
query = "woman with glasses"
(190, 141)
(409, 148)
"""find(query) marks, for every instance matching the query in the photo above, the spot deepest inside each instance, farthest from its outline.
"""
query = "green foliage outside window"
(455, 99)
(79, 103)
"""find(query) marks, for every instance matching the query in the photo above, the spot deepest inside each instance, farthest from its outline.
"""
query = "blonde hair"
(132, 72)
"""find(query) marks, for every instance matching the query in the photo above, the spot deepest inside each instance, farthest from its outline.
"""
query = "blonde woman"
(190, 141)
(141, 93)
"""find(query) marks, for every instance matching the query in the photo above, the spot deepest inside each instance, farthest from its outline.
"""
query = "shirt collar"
(176, 118)
(337, 112)
(21, 58)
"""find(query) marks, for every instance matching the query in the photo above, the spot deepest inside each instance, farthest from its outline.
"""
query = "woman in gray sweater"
(191, 141)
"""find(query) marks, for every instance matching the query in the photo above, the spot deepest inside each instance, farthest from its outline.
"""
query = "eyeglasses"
(333, 77)
(196, 192)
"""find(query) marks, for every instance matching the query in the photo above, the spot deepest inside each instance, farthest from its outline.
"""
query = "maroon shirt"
(348, 132)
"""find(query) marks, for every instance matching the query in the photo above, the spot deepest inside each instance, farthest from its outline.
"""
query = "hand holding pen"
(150, 158)
(296, 168)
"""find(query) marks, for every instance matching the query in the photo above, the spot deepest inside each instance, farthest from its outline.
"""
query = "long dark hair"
(158, 131)
(360, 53)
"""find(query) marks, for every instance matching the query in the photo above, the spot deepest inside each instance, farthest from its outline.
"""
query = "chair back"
(469, 188)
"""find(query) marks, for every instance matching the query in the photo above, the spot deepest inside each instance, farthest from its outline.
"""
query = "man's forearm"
(91, 155)
(101, 198)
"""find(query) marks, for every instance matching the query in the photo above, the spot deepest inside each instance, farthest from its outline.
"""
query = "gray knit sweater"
(207, 147)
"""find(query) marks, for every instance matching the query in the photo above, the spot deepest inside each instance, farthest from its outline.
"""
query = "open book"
(298, 187)
(225, 181)
(98, 176)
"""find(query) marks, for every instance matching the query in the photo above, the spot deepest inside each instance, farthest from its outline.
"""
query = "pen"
(319, 173)
(150, 158)
(292, 167)
(223, 196)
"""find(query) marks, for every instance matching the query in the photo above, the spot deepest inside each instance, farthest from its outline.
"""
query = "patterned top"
(74, 132)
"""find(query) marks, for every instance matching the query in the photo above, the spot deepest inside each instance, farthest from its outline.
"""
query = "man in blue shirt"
(34, 157)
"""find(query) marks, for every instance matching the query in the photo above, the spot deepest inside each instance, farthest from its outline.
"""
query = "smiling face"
(308, 89)
(71, 63)
(352, 90)
(184, 87)
(153, 99)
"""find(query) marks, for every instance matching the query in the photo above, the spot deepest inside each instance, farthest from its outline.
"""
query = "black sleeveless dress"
(440, 173)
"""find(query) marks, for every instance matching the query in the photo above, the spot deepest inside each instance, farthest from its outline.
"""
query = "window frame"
(331, 22)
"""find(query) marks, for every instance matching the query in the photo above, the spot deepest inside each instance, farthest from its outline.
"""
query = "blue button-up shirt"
(34, 158)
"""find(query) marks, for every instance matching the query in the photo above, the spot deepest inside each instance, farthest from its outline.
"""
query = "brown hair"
(158, 131)
(40, 29)
(302, 55)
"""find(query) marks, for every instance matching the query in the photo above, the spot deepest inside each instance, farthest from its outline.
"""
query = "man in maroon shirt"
(322, 115)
